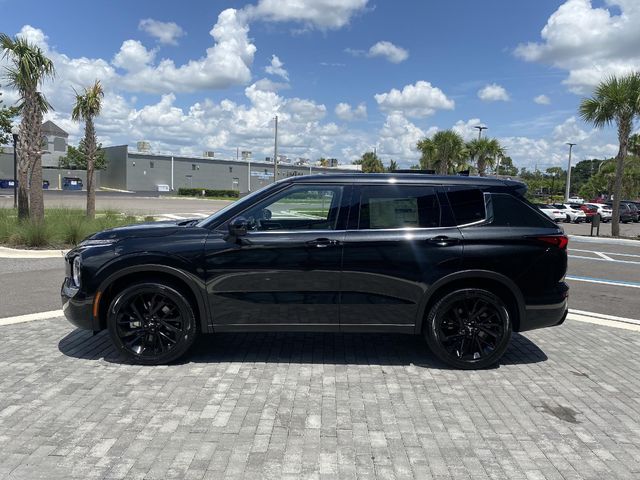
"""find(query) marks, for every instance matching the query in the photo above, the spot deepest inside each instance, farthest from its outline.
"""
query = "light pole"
(566, 193)
(14, 132)
(480, 128)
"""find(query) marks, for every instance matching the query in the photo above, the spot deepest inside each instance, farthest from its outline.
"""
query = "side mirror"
(238, 227)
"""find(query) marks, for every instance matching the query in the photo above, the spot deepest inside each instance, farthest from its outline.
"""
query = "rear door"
(395, 247)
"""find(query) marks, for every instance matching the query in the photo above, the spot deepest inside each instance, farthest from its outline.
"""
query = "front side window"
(398, 206)
(298, 208)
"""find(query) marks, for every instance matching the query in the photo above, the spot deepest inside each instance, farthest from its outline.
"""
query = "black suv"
(463, 261)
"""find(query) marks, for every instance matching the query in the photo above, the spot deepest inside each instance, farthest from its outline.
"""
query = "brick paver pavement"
(564, 403)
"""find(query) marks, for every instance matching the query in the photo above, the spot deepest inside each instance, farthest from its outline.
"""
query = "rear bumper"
(547, 310)
(77, 307)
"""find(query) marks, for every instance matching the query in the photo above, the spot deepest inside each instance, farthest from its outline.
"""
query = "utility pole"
(275, 154)
(480, 128)
(567, 191)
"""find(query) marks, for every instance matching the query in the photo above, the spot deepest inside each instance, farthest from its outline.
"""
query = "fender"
(194, 283)
(469, 275)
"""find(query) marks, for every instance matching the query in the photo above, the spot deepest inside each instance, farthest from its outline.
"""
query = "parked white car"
(571, 214)
(575, 200)
(550, 211)
(606, 214)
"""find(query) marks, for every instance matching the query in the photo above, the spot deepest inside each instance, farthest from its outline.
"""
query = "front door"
(395, 247)
(285, 272)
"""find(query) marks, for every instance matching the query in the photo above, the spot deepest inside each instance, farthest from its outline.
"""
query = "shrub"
(197, 192)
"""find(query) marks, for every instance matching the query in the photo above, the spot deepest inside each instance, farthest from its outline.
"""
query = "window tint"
(467, 204)
(398, 206)
(509, 211)
(298, 208)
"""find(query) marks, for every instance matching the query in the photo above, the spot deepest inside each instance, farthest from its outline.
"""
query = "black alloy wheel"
(151, 323)
(469, 328)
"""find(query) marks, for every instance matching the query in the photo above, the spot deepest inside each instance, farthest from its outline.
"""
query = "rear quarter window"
(509, 211)
(467, 204)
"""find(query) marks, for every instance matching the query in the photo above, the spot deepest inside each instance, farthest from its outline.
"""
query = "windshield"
(243, 201)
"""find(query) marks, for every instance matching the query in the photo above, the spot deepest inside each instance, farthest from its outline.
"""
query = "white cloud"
(133, 56)
(389, 51)
(227, 62)
(589, 42)
(268, 85)
(277, 68)
(493, 93)
(418, 100)
(320, 14)
(399, 136)
(542, 100)
(346, 112)
(165, 32)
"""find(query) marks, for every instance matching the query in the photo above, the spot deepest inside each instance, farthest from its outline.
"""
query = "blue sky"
(347, 76)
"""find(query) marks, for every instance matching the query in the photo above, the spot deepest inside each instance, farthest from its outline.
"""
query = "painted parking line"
(603, 281)
(31, 317)
(610, 260)
(615, 254)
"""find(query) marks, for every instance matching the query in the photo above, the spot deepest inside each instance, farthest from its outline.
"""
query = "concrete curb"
(615, 241)
(19, 253)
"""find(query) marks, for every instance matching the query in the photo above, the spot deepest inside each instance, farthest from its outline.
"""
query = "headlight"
(97, 243)
(75, 271)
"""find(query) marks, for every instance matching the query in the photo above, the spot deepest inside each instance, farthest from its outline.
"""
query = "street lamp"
(480, 128)
(566, 193)
(14, 133)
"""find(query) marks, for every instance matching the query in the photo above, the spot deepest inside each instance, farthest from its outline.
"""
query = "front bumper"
(546, 310)
(77, 307)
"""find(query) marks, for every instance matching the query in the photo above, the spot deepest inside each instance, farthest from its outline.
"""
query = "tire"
(151, 323)
(567, 219)
(483, 338)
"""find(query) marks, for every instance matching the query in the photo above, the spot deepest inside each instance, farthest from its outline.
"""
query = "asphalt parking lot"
(563, 403)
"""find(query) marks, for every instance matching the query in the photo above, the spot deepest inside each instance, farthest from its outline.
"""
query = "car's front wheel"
(468, 328)
(151, 323)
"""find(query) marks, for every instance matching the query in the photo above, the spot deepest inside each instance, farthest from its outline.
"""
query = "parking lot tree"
(445, 152)
(506, 167)
(393, 166)
(634, 144)
(370, 163)
(615, 100)
(6, 122)
(77, 158)
(27, 68)
(87, 107)
(485, 152)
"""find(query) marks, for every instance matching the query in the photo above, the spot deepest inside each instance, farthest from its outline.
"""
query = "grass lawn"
(62, 227)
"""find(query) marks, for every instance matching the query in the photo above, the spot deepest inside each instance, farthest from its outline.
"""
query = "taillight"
(560, 241)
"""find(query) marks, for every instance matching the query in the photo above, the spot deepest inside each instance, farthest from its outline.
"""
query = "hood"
(151, 229)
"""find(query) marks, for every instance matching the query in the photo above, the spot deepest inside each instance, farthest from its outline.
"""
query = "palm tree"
(485, 151)
(615, 100)
(443, 152)
(28, 68)
(87, 107)
(393, 166)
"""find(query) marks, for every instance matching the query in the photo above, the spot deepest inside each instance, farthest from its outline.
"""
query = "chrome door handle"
(443, 240)
(322, 242)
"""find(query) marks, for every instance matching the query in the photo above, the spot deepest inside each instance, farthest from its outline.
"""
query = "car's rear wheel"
(468, 328)
(151, 323)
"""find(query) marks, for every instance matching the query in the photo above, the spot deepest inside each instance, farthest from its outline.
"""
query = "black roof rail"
(414, 170)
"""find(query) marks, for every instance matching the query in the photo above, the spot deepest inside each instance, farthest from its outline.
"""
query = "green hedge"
(197, 192)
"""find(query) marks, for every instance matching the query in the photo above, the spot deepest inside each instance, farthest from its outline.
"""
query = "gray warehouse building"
(145, 171)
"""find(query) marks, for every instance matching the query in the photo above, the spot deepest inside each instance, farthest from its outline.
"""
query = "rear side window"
(398, 206)
(509, 211)
(467, 204)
